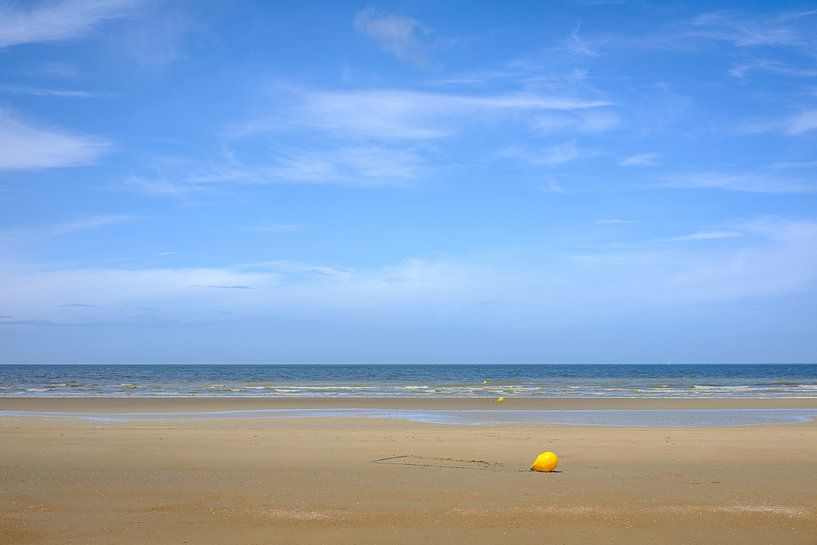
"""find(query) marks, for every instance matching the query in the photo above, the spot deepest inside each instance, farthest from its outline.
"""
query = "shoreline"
(96, 405)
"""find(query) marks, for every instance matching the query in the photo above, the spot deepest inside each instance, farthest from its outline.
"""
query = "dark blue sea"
(631, 381)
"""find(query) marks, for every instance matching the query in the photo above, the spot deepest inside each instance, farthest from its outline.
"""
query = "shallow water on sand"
(575, 417)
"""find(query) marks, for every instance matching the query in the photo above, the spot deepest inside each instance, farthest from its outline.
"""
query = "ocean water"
(630, 381)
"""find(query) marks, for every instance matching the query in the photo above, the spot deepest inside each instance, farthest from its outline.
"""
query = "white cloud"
(65, 228)
(799, 123)
(381, 137)
(803, 122)
(552, 186)
(700, 235)
(740, 182)
(56, 21)
(740, 30)
(394, 33)
(791, 31)
(742, 70)
(576, 45)
(27, 147)
(37, 91)
(557, 154)
(640, 159)
(352, 166)
(697, 236)
(156, 38)
(590, 121)
(774, 257)
(407, 115)
(159, 186)
(795, 164)
(780, 257)
(560, 154)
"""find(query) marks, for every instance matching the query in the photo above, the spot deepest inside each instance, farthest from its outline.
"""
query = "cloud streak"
(369, 138)
(780, 30)
(396, 34)
(767, 257)
(697, 236)
(640, 160)
(28, 147)
(57, 21)
(400, 114)
(802, 122)
(752, 183)
(66, 228)
(40, 92)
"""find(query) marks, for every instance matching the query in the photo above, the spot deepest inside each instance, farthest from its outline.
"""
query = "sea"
(423, 381)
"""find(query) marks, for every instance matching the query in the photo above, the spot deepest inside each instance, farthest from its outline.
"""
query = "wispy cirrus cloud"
(744, 69)
(352, 166)
(576, 45)
(753, 183)
(166, 185)
(640, 160)
(795, 164)
(57, 21)
(28, 147)
(795, 124)
(68, 227)
(156, 38)
(42, 92)
(397, 34)
(366, 138)
(407, 114)
(695, 236)
(699, 236)
(361, 166)
(766, 257)
(586, 121)
(784, 29)
(802, 122)
(557, 154)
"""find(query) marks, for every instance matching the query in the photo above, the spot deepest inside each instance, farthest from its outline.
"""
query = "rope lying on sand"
(452, 463)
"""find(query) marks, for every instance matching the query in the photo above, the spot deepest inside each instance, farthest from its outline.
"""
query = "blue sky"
(587, 181)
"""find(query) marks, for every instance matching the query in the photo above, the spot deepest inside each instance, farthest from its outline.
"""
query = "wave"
(411, 381)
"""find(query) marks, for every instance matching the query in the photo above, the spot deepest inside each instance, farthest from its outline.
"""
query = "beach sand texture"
(318, 480)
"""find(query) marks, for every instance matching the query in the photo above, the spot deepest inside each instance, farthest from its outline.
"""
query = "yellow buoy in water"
(500, 399)
(547, 461)
(485, 382)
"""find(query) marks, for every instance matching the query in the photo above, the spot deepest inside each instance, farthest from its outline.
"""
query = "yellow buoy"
(500, 399)
(485, 382)
(547, 461)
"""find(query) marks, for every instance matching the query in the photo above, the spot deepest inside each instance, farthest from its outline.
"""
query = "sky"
(408, 182)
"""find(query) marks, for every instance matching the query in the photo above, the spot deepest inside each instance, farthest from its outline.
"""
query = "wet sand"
(368, 481)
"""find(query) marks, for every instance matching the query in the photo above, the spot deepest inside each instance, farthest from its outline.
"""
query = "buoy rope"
(479, 465)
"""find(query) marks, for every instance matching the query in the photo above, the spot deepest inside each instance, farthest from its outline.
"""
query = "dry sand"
(305, 481)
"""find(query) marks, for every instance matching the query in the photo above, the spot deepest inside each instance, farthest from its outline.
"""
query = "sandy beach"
(343, 480)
